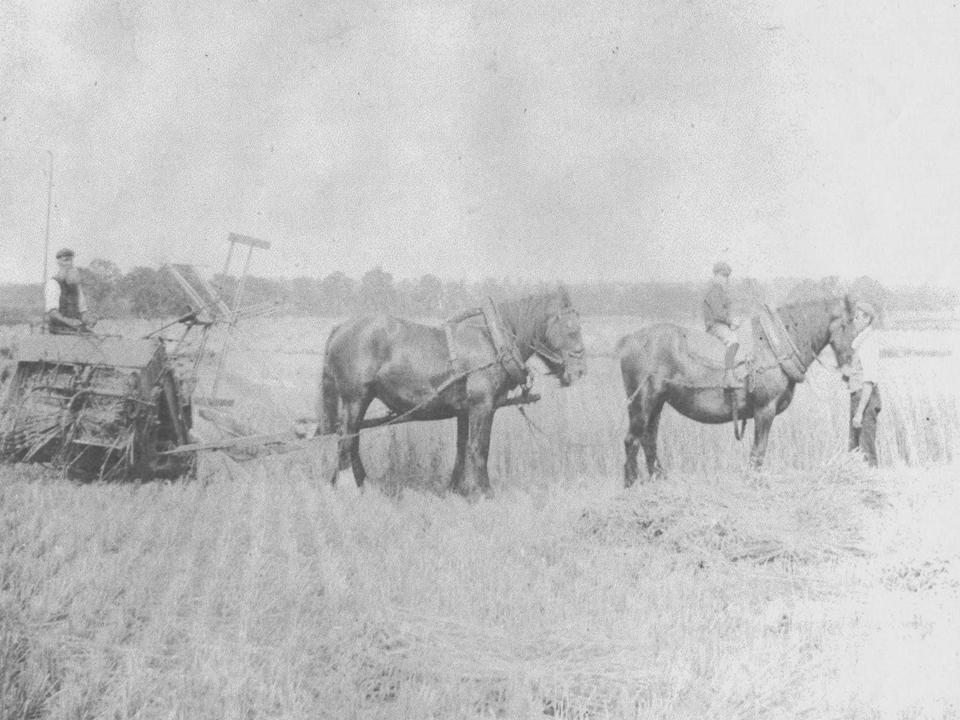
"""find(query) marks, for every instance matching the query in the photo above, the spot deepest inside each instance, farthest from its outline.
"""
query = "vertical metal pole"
(226, 341)
(46, 240)
(243, 280)
(46, 232)
(226, 265)
(233, 318)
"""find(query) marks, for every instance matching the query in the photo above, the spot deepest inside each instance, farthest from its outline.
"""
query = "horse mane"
(800, 318)
(527, 317)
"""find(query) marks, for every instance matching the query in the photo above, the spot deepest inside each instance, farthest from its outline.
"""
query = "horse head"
(561, 348)
(841, 330)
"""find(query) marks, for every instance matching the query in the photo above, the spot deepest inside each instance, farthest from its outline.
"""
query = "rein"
(436, 393)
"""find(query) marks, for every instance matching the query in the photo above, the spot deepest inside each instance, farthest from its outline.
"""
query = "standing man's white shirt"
(865, 367)
(51, 297)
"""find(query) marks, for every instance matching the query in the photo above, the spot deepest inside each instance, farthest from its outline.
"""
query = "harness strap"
(505, 348)
(507, 352)
(448, 328)
(451, 346)
(737, 431)
(777, 335)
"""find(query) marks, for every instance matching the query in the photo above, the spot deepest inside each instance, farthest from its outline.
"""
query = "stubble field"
(815, 589)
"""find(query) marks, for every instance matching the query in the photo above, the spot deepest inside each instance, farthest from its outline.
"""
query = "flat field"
(815, 589)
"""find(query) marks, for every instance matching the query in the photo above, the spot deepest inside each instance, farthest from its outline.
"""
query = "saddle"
(508, 355)
(764, 330)
(711, 351)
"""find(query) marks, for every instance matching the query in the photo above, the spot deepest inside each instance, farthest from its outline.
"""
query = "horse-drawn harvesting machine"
(110, 407)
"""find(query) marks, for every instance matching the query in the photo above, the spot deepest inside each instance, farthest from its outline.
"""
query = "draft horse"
(422, 372)
(658, 367)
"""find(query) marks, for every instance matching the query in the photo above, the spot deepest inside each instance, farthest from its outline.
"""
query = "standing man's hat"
(64, 253)
(721, 268)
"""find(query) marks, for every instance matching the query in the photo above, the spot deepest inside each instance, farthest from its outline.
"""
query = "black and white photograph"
(471, 359)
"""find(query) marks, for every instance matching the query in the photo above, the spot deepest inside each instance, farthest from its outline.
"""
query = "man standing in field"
(718, 319)
(64, 303)
(863, 375)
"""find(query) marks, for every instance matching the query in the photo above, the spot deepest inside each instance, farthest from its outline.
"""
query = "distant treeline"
(148, 293)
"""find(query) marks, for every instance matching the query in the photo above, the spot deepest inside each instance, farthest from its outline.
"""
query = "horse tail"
(328, 398)
(631, 350)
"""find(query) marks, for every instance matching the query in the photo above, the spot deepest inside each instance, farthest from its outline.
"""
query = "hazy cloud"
(491, 138)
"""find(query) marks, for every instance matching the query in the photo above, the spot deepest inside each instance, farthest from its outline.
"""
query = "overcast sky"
(549, 140)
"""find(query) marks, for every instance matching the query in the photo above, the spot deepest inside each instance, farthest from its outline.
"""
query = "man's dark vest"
(69, 307)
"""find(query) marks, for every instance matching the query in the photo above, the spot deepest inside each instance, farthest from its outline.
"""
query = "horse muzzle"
(572, 370)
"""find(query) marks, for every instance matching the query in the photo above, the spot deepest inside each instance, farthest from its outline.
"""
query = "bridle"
(548, 353)
(843, 323)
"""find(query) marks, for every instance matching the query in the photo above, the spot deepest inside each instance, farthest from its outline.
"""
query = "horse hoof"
(346, 481)
(472, 493)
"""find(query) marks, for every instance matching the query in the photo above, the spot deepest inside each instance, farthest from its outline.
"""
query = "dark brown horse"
(659, 367)
(424, 373)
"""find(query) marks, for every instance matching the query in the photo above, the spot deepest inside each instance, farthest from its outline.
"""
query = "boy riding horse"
(718, 319)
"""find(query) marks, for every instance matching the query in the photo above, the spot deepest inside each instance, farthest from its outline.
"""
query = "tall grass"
(258, 591)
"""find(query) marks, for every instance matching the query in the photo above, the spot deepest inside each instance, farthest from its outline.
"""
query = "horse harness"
(508, 357)
(504, 345)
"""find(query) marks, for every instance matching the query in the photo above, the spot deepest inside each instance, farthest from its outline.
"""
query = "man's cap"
(867, 309)
(64, 253)
(721, 268)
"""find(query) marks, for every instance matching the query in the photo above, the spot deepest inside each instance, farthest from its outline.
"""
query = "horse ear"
(564, 295)
(849, 306)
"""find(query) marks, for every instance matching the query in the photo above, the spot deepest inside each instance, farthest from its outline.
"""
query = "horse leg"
(480, 423)
(631, 443)
(463, 430)
(762, 421)
(644, 413)
(649, 437)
